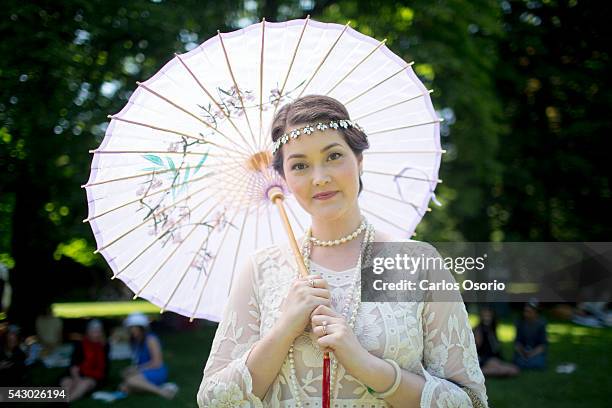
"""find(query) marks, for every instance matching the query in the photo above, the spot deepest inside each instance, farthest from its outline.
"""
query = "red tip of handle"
(326, 380)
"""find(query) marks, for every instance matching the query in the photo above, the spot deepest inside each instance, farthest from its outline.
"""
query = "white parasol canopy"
(177, 193)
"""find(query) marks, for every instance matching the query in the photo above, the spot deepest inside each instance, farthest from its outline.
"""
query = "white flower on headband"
(309, 129)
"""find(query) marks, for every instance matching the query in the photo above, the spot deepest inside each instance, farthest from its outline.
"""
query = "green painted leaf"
(152, 168)
(154, 159)
(186, 174)
(201, 163)
(171, 163)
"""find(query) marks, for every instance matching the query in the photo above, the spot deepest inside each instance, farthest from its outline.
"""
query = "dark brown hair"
(312, 109)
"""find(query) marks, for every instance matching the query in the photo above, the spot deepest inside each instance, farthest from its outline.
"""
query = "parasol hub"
(274, 193)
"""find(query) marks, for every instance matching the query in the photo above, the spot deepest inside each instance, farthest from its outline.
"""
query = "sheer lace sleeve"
(227, 381)
(452, 373)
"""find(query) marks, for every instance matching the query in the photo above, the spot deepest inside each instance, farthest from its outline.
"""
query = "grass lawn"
(75, 310)
(186, 353)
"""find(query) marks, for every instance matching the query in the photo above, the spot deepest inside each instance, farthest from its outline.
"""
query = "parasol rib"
(220, 190)
(158, 192)
(405, 127)
(229, 288)
(405, 151)
(282, 90)
(193, 116)
(149, 173)
(212, 98)
(238, 92)
(295, 217)
(176, 132)
(295, 51)
(416, 207)
(136, 295)
(270, 224)
(380, 44)
(402, 176)
(228, 226)
(383, 219)
(378, 84)
(393, 105)
(159, 152)
(204, 241)
(261, 62)
(140, 198)
(146, 220)
(157, 238)
(324, 59)
(257, 226)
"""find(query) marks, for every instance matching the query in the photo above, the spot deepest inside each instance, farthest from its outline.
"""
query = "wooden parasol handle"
(275, 194)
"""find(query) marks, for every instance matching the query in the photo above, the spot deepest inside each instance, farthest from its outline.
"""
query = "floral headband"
(309, 129)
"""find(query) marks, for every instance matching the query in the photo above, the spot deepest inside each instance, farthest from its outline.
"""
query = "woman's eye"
(298, 166)
(335, 156)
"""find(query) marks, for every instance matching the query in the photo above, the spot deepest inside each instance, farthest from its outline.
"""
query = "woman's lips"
(325, 196)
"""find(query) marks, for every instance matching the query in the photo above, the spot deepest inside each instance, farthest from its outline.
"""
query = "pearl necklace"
(338, 241)
(366, 247)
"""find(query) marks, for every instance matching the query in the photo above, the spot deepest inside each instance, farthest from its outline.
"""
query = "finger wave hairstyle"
(312, 109)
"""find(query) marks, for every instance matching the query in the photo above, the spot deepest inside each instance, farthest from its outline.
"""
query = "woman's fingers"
(320, 301)
(319, 319)
(317, 281)
(324, 293)
(329, 329)
(324, 310)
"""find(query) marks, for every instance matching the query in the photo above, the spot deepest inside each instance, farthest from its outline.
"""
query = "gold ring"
(325, 327)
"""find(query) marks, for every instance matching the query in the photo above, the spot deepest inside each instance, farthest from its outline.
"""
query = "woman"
(489, 349)
(401, 355)
(12, 357)
(148, 372)
(89, 365)
(531, 341)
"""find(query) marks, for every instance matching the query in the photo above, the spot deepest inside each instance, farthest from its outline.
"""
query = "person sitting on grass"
(12, 357)
(90, 363)
(488, 347)
(531, 343)
(148, 372)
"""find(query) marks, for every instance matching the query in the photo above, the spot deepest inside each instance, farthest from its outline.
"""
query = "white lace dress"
(431, 339)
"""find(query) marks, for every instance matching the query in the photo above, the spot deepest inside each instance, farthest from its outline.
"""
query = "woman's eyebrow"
(299, 155)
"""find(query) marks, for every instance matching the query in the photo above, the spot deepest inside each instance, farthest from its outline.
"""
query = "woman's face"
(529, 313)
(486, 316)
(95, 334)
(136, 332)
(322, 163)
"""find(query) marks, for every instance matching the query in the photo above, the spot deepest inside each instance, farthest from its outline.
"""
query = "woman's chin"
(328, 211)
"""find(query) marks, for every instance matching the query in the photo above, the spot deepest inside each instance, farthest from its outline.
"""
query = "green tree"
(556, 89)
(65, 66)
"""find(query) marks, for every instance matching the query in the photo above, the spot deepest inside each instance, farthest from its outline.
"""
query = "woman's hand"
(300, 302)
(129, 371)
(338, 337)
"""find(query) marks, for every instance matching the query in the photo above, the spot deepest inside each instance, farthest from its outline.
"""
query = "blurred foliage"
(521, 85)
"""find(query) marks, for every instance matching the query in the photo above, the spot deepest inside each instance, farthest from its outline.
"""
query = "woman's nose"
(320, 178)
